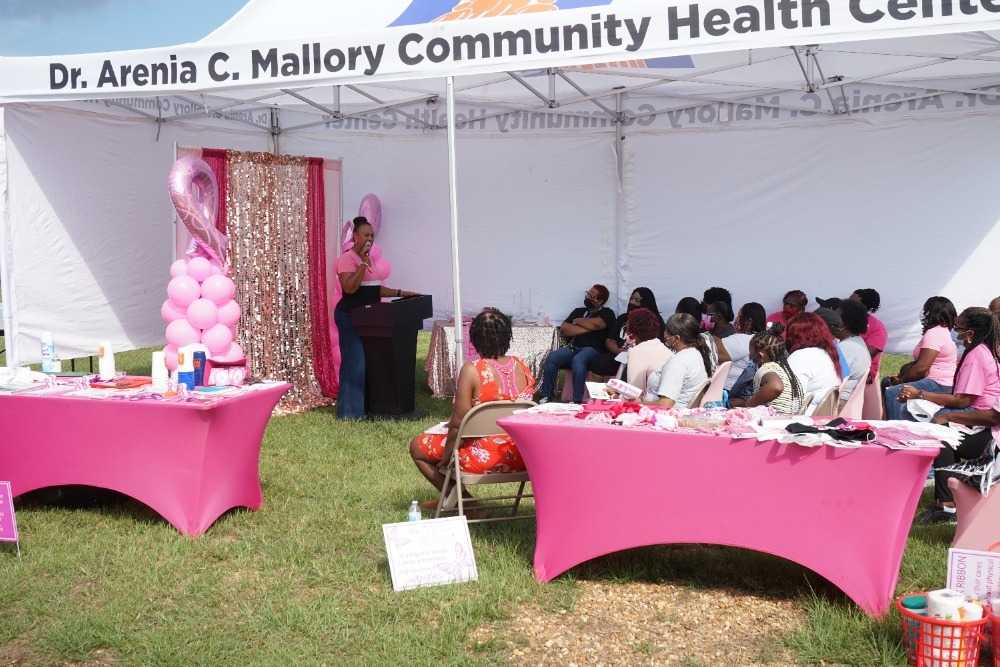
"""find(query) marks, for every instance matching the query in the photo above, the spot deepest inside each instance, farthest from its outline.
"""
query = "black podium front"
(388, 331)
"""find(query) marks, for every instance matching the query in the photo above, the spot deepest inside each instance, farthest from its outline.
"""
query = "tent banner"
(578, 32)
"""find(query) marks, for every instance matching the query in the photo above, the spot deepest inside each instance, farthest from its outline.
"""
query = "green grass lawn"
(304, 580)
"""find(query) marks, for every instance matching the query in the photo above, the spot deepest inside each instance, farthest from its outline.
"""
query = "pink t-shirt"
(939, 339)
(996, 429)
(979, 377)
(349, 263)
(777, 318)
(876, 337)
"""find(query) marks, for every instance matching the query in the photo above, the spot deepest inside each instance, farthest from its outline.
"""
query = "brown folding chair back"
(481, 421)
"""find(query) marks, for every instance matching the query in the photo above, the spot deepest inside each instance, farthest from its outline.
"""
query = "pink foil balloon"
(182, 290)
(178, 268)
(181, 333)
(347, 238)
(195, 195)
(202, 314)
(218, 289)
(371, 208)
(170, 357)
(199, 268)
(217, 339)
(229, 313)
(170, 311)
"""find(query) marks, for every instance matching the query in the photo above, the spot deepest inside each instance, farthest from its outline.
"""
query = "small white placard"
(598, 391)
(431, 552)
(975, 573)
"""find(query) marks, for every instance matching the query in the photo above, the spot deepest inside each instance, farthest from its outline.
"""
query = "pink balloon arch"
(201, 307)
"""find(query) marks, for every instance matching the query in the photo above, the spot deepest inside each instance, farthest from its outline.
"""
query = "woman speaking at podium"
(360, 288)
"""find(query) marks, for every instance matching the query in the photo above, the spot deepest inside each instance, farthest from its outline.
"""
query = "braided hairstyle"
(985, 328)
(688, 329)
(491, 333)
(771, 344)
(870, 298)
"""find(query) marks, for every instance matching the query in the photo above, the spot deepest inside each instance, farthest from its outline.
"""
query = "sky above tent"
(49, 27)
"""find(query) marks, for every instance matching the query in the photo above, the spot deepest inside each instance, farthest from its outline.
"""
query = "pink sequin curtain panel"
(323, 358)
(268, 223)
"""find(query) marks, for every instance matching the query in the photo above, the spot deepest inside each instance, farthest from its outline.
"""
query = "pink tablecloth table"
(189, 462)
(843, 513)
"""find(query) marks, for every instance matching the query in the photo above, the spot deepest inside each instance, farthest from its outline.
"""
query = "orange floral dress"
(497, 382)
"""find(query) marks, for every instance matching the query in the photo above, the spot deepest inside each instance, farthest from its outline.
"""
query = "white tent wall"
(91, 226)
(905, 208)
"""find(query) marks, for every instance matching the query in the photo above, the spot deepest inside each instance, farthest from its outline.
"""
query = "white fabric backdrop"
(906, 208)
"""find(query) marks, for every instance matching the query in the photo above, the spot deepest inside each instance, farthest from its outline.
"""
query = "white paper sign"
(975, 573)
(432, 552)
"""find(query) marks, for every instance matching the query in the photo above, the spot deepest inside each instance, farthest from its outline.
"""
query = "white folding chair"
(807, 402)
(718, 383)
(829, 405)
(481, 422)
(855, 405)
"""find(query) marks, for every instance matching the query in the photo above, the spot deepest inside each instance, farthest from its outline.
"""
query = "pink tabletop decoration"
(843, 513)
(189, 462)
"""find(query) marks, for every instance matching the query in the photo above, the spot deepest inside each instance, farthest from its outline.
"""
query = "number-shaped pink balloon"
(195, 195)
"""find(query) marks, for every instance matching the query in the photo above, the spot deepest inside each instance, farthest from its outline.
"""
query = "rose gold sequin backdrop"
(267, 228)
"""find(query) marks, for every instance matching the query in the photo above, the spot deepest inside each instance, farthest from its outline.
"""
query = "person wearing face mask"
(618, 340)
(774, 383)
(720, 319)
(360, 288)
(687, 370)
(586, 329)
(977, 381)
(794, 303)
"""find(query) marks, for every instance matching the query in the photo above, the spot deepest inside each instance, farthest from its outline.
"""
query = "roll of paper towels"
(947, 643)
(945, 604)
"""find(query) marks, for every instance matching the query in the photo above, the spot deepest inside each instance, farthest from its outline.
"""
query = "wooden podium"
(388, 332)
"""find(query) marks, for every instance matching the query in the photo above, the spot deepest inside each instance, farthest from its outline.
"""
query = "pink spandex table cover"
(844, 513)
(189, 462)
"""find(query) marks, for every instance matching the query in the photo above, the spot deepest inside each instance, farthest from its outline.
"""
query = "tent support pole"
(6, 270)
(453, 200)
(621, 208)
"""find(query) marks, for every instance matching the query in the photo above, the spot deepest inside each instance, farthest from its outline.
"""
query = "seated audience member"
(935, 358)
(683, 375)
(792, 304)
(752, 319)
(977, 382)
(876, 338)
(720, 319)
(713, 294)
(649, 354)
(493, 377)
(813, 355)
(691, 306)
(833, 303)
(980, 448)
(586, 329)
(774, 383)
(836, 326)
(995, 306)
(642, 297)
(859, 360)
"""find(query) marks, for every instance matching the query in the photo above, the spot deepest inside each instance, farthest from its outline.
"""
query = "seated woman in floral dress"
(494, 377)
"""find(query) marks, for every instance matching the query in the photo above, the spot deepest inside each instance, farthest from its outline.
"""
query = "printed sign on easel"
(429, 553)
(8, 524)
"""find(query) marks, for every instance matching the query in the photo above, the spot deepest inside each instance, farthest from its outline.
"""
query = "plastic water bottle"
(48, 353)
(414, 513)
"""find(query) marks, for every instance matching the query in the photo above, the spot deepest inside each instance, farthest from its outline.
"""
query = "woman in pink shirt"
(935, 358)
(977, 382)
(794, 303)
(876, 338)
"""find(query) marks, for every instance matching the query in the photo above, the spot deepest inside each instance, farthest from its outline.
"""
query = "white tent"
(768, 145)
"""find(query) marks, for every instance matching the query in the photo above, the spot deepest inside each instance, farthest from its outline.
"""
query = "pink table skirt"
(843, 513)
(190, 463)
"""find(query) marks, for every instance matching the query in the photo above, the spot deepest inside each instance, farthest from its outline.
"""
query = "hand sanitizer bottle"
(414, 513)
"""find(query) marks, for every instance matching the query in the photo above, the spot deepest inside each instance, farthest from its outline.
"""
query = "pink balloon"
(170, 357)
(382, 269)
(217, 270)
(219, 289)
(182, 290)
(181, 333)
(178, 268)
(195, 195)
(376, 252)
(229, 313)
(199, 268)
(234, 353)
(371, 208)
(202, 314)
(170, 311)
(217, 339)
